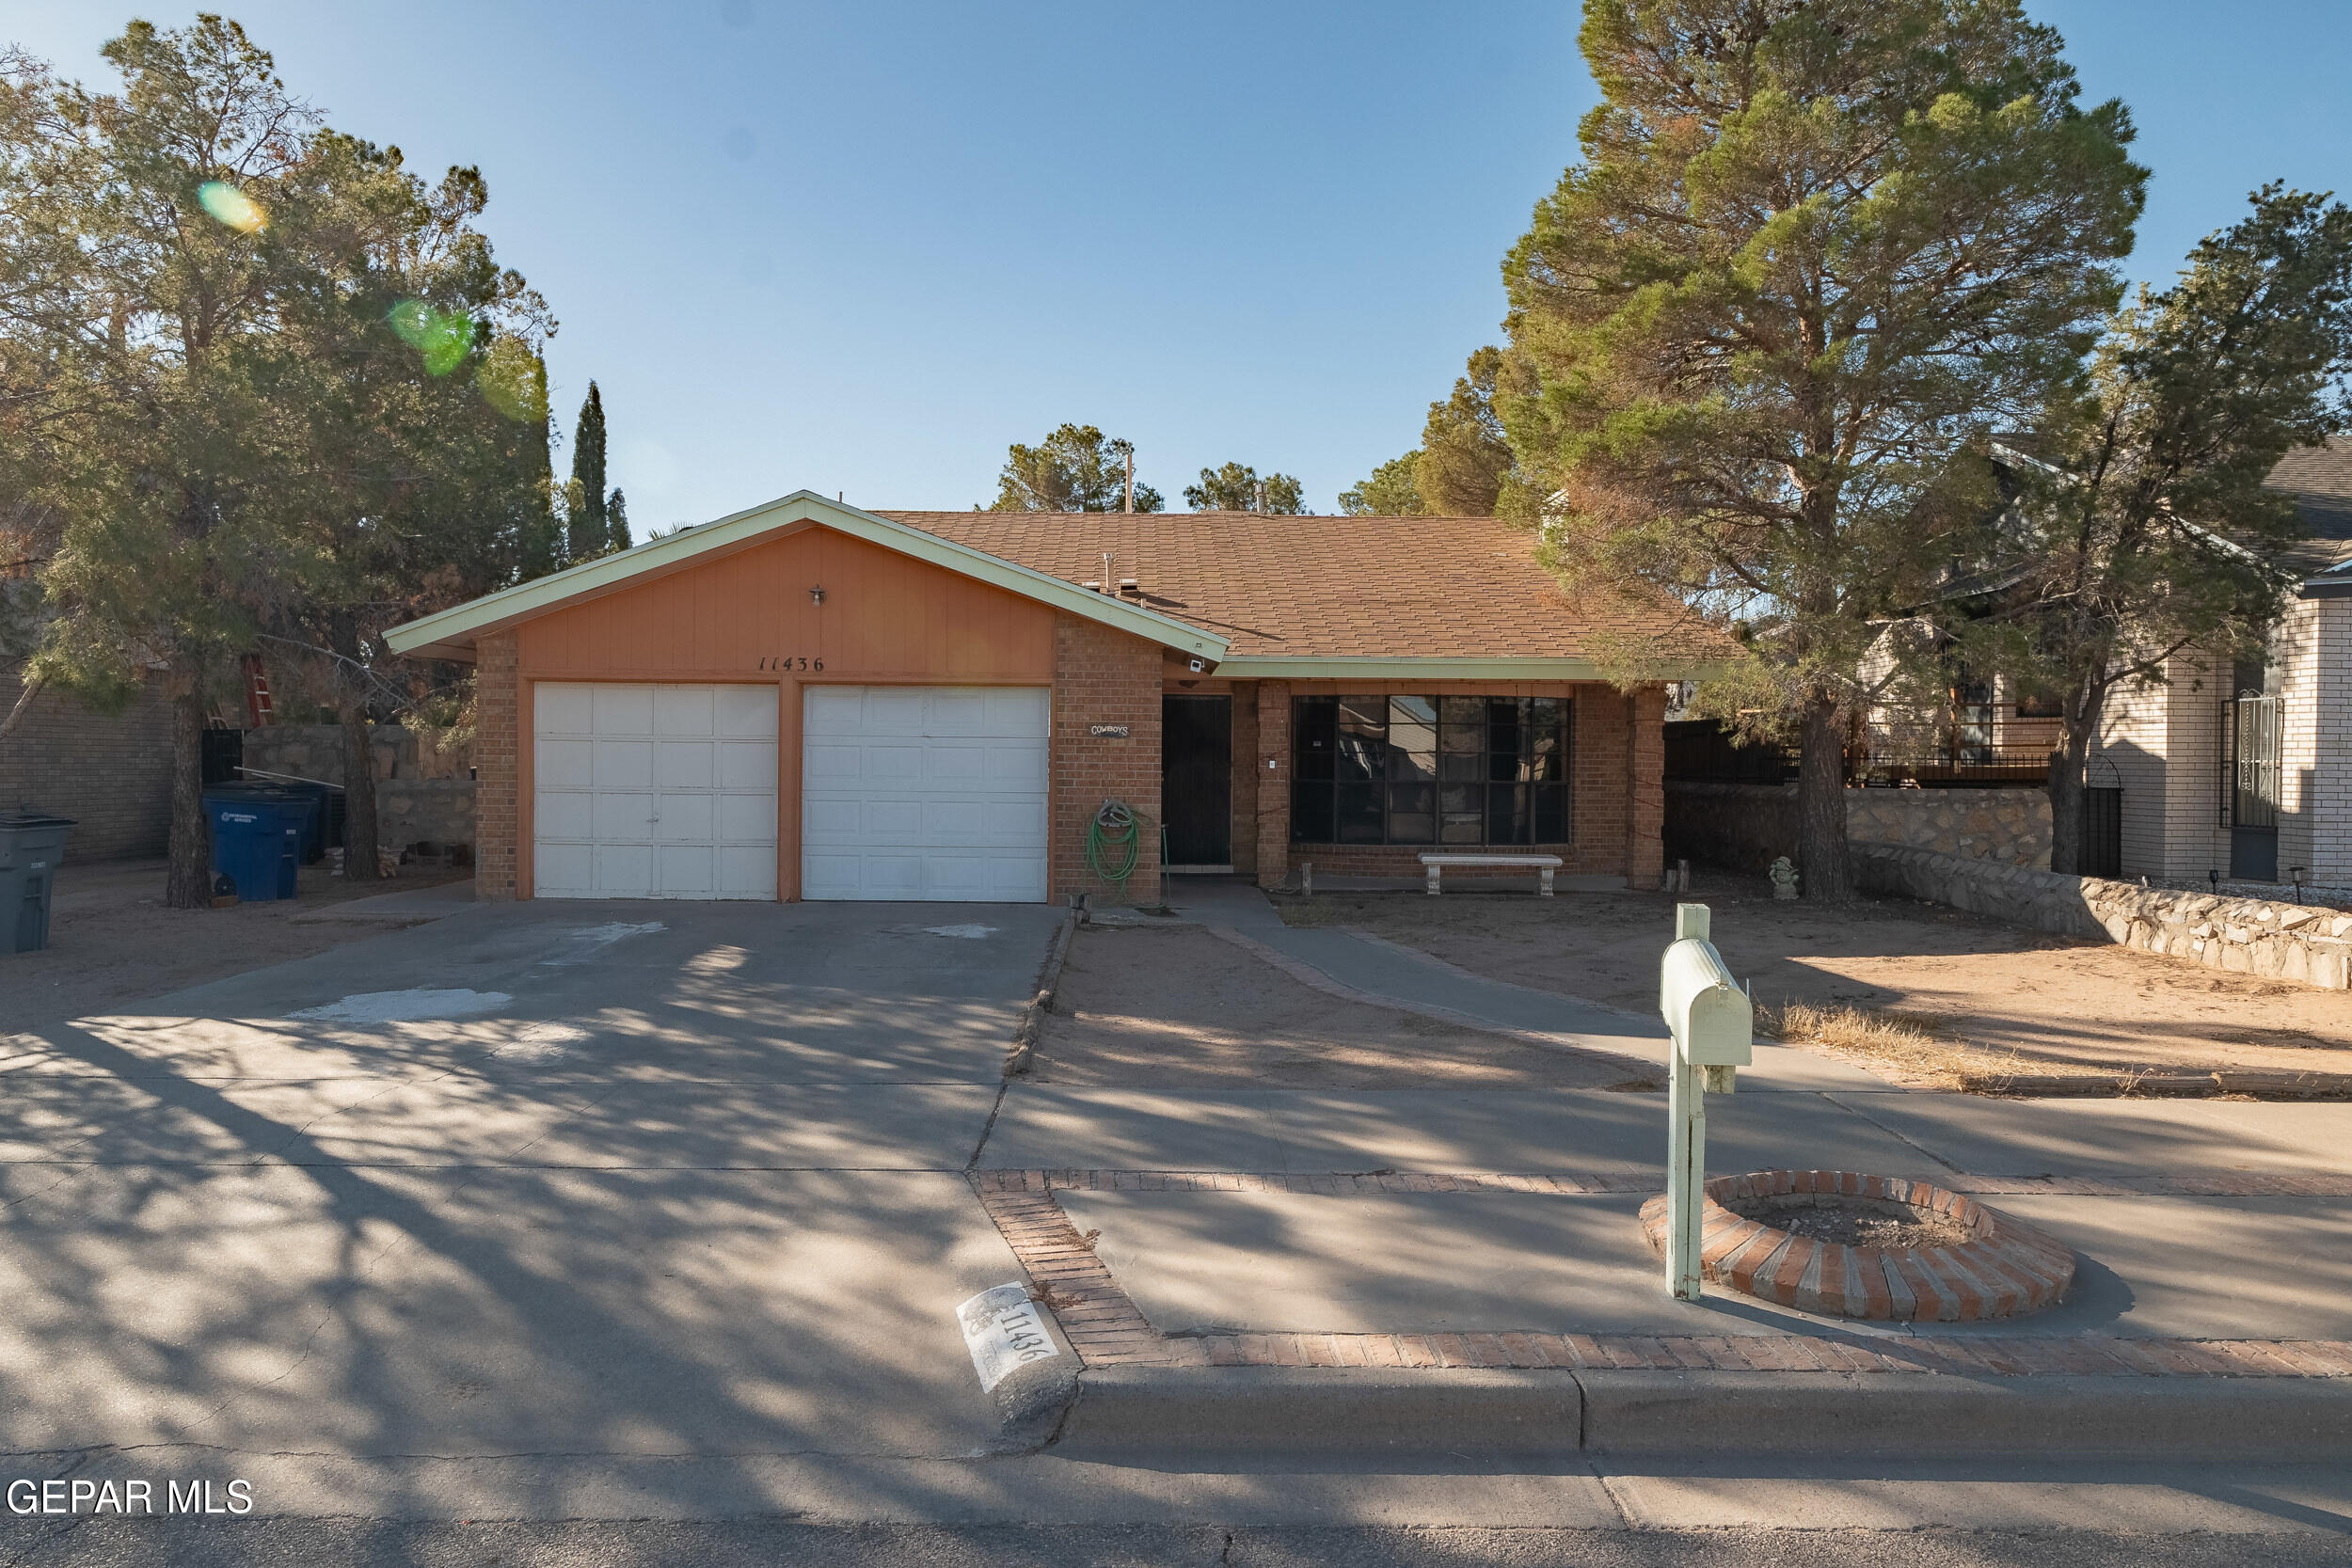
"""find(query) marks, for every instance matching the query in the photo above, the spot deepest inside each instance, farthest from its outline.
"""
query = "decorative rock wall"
(422, 795)
(2243, 936)
(316, 752)
(2011, 826)
(1745, 827)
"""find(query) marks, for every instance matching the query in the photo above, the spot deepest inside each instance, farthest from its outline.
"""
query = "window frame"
(1397, 770)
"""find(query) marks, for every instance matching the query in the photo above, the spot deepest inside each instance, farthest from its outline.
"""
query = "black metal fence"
(1700, 750)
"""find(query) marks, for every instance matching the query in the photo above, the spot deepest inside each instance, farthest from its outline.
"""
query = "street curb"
(1320, 1410)
(1843, 1412)
(1304, 1410)
(1025, 1035)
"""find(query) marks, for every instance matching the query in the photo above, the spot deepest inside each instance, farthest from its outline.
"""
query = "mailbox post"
(1713, 1026)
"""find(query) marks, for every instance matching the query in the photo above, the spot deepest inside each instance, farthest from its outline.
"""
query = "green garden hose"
(1111, 843)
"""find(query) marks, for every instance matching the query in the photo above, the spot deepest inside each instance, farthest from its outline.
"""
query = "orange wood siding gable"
(885, 617)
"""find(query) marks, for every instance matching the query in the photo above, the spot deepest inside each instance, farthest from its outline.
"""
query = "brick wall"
(2329, 792)
(1102, 677)
(1274, 784)
(497, 741)
(1600, 813)
(2294, 651)
(1646, 788)
(1247, 765)
(111, 773)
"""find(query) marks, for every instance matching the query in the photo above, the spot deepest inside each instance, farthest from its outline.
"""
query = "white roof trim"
(450, 634)
(1352, 667)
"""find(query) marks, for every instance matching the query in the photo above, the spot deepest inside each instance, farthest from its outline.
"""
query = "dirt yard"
(112, 941)
(2012, 1001)
(1180, 1007)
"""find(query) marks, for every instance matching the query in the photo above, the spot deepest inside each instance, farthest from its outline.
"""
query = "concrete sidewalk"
(1465, 1250)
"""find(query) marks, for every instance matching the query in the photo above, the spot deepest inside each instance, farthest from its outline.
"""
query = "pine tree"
(590, 533)
(1815, 251)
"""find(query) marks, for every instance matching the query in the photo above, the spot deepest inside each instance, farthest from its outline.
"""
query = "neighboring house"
(810, 701)
(2247, 770)
(110, 772)
(2237, 771)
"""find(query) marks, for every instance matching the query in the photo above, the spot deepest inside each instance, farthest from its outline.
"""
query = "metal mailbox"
(1713, 1024)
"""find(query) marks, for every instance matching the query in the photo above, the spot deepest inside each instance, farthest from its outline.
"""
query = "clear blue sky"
(862, 247)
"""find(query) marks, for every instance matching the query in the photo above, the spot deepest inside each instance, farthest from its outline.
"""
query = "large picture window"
(1429, 770)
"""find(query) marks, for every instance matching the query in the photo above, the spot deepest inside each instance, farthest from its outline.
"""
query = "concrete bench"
(1543, 866)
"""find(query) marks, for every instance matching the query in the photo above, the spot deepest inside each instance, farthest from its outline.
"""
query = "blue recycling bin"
(257, 842)
(311, 797)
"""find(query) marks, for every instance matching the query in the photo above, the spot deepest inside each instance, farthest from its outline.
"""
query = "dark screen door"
(1196, 779)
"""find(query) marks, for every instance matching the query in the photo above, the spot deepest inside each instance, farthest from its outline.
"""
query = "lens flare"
(232, 206)
(442, 338)
(512, 381)
(409, 319)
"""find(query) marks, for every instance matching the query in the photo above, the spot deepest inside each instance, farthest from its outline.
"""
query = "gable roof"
(452, 633)
(2320, 480)
(1323, 597)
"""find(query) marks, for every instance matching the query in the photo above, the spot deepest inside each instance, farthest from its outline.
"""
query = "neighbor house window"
(2036, 703)
(1429, 770)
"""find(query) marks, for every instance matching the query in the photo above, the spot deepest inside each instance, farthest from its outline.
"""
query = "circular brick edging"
(2005, 1269)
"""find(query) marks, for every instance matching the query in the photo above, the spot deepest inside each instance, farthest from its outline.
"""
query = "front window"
(1392, 769)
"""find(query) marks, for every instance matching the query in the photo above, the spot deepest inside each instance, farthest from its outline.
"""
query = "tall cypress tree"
(590, 531)
(616, 520)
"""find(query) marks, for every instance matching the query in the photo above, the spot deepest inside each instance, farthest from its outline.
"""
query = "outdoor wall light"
(816, 594)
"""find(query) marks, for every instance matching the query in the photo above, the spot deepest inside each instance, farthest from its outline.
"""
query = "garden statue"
(1784, 878)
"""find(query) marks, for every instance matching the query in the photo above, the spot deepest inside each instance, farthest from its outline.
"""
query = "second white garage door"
(934, 793)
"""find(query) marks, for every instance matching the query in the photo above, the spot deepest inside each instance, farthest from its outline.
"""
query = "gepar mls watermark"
(56, 1495)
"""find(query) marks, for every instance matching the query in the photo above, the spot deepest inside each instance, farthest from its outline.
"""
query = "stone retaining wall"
(1745, 827)
(316, 752)
(422, 795)
(2243, 936)
(409, 812)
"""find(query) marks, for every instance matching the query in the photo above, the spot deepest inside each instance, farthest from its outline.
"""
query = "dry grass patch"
(1911, 1044)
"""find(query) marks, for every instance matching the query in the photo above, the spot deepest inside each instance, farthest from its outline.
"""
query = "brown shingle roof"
(1334, 587)
(2320, 480)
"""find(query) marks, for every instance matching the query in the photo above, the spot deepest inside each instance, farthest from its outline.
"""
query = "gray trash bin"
(31, 845)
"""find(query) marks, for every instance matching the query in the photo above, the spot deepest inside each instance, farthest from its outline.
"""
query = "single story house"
(807, 700)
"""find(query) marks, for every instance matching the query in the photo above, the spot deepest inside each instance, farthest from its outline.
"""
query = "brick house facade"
(937, 706)
(2243, 769)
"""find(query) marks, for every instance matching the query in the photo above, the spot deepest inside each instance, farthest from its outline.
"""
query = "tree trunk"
(189, 884)
(2068, 775)
(359, 845)
(1821, 856)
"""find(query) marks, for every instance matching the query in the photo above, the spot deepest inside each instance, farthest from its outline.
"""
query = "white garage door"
(654, 791)
(924, 793)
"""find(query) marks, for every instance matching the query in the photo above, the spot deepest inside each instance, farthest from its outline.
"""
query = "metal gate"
(2252, 786)
(2102, 851)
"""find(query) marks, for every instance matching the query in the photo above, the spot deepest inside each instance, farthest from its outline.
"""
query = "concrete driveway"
(635, 1180)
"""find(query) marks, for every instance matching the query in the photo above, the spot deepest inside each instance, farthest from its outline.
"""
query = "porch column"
(1274, 783)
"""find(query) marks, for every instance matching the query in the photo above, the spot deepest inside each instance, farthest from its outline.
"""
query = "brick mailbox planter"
(2003, 1268)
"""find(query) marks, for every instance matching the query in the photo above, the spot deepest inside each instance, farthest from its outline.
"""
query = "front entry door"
(1196, 779)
